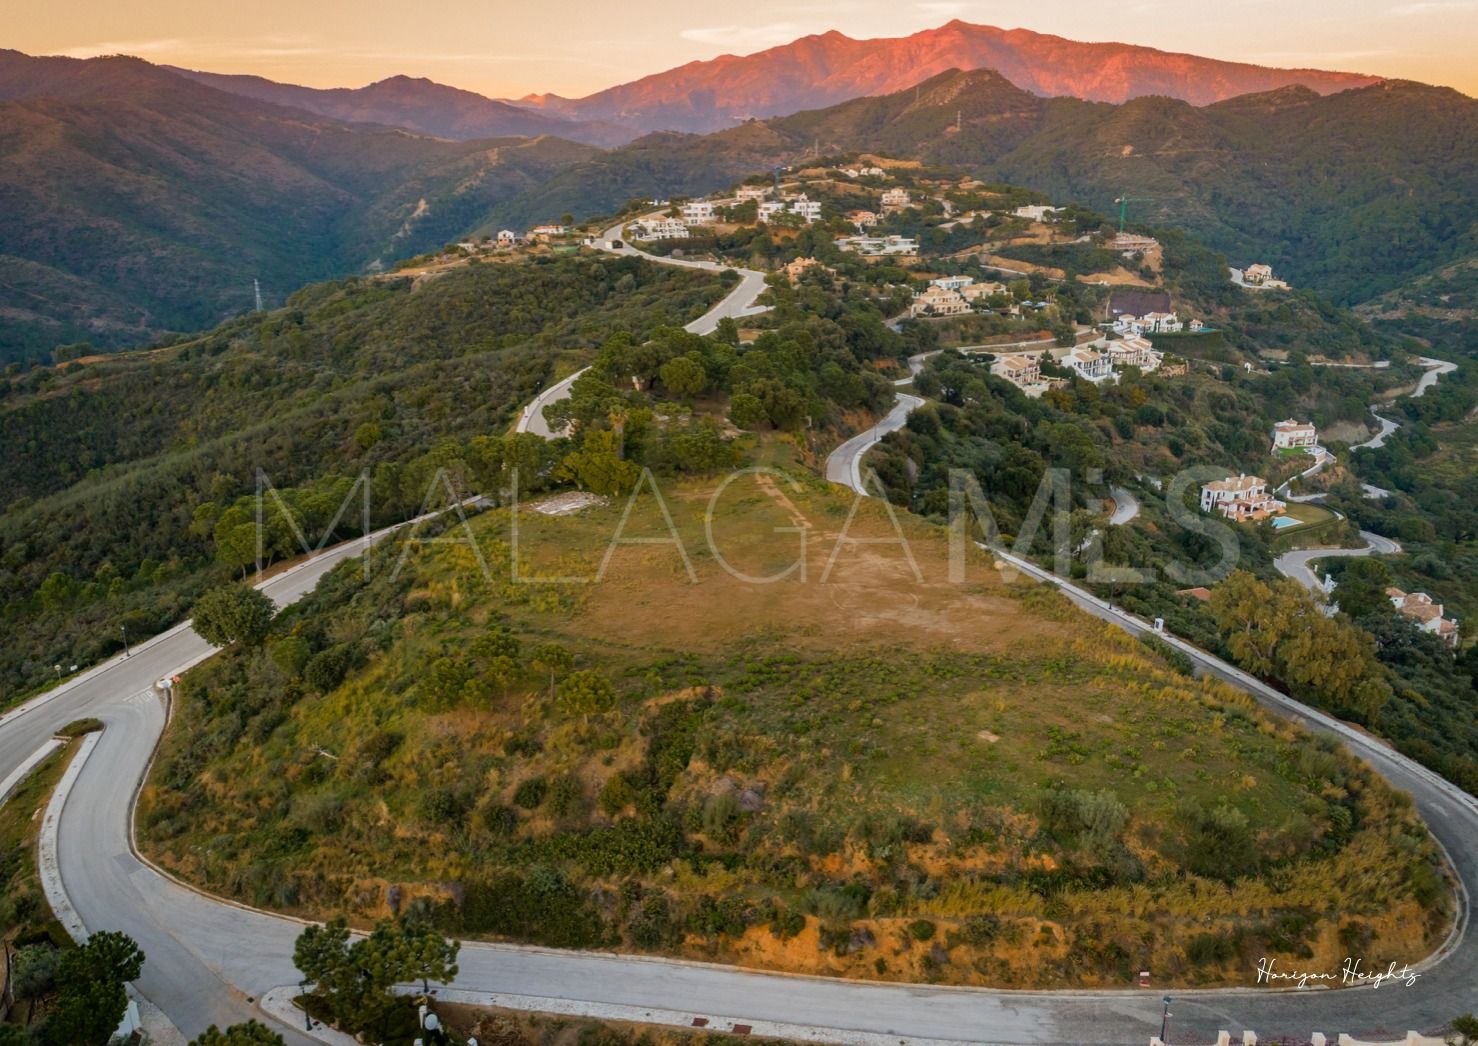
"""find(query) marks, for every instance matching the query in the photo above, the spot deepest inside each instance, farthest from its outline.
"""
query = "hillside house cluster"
(952, 296)
(1240, 498)
(801, 204)
(1292, 435)
(864, 172)
(1154, 323)
(1427, 613)
(880, 246)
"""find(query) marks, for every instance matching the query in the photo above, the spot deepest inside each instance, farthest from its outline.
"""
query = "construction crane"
(1124, 202)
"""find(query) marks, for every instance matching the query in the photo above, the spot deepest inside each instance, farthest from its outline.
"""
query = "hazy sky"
(503, 48)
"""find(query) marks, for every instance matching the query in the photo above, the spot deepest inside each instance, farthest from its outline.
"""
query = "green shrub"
(530, 793)
(921, 930)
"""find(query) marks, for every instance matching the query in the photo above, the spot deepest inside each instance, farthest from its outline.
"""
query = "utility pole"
(123, 631)
(1165, 1019)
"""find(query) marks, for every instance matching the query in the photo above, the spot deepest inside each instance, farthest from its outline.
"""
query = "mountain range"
(818, 71)
(420, 105)
(136, 199)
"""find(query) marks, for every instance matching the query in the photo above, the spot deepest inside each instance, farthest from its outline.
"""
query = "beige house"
(1260, 275)
(863, 219)
(1291, 434)
(1426, 612)
(1019, 370)
(1133, 351)
(938, 301)
(1240, 498)
(976, 291)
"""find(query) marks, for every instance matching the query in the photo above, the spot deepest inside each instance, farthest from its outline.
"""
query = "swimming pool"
(1284, 522)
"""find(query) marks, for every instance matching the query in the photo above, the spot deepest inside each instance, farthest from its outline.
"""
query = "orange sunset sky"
(575, 47)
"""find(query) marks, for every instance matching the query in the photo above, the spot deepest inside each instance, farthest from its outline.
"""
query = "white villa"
(661, 229)
(938, 301)
(1089, 364)
(1428, 614)
(698, 212)
(544, 232)
(1036, 212)
(864, 172)
(507, 238)
(952, 283)
(1291, 434)
(806, 207)
(896, 199)
(1240, 498)
(878, 246)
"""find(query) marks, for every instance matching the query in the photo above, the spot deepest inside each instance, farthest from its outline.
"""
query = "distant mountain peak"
(824, 69)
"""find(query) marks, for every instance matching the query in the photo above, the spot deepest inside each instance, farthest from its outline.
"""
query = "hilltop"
(847, 772)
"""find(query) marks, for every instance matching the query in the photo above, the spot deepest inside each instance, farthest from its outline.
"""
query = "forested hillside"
(134, 201)
(117, 473)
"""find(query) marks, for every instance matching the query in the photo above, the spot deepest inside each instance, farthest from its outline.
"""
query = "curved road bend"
(1298, 564)
(738, 302)
(1435, 370)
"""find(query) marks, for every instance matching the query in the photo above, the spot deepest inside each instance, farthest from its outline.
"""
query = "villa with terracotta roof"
(1291, 434)
(1428, 615)
(1240, 498)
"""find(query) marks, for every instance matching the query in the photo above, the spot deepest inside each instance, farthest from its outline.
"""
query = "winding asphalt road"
(738, 303)
(1298, 564)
